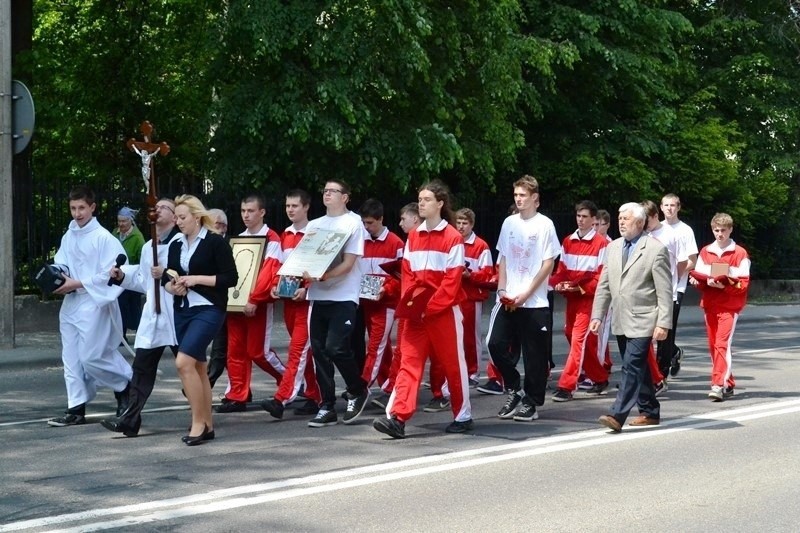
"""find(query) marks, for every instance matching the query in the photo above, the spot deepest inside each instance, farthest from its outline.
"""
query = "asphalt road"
(732, 466)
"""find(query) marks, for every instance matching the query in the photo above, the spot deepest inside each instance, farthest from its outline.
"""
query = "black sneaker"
(310, 407)
(597, 388)
(355, 406)
(727, 392)
(381, 401)
(675, 364)
(68, 419)
(231, 406)
(273, 407)
(526, 412)
(473, 382)
(512, 403)
(390, 426)
(459, 427)
(324, 418)
(562, 395)
(661, 387)
(491, 387)
(437, 405)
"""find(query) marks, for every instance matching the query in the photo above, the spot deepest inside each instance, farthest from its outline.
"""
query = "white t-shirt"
(526, 244)
(667, 236)
(341, 288)
(685, 236)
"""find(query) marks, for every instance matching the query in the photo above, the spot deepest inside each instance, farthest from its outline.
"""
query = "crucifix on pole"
(147, 150)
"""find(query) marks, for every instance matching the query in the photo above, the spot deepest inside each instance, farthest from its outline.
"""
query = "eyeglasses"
(601, 224)
(332, 191)
(162, 207)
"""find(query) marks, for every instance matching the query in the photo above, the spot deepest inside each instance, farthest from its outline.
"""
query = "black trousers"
(145, 369)
(665, 350)
(358, 339)
(218, 359)
(676, 311)
(331, 326)
(529, 329)
(130, 308)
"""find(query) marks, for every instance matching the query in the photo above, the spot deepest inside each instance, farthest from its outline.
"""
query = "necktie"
(626, 251)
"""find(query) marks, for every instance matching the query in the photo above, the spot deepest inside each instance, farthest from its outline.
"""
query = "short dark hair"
(650, 208)
(305, 198)
(255, 197)
(412, 208)
(82, 192)
(371, 208)
(586, 204)
(345, 187)
(467, 214)
(604, 215)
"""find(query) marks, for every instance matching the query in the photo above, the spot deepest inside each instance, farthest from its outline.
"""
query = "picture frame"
(248, 255)
(314, 254)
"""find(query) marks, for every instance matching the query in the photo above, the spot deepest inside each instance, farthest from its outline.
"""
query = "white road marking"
(95, 416)
(235, 497)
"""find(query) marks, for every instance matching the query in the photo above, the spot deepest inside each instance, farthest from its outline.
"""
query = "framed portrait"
(248, 254)
(315, 253)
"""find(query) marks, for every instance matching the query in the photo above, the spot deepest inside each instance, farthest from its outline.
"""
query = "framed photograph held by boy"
(248, 254)
(314, 253)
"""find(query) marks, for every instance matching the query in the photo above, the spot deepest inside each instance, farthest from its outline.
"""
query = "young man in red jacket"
(381, 247)
(722, 275)
(249, 333)
(477, 281)
(299, 363)
(582, 257)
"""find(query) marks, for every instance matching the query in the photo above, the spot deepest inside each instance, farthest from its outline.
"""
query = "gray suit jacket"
(641, 292)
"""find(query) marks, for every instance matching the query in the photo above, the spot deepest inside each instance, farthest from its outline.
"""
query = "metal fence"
(41, 215)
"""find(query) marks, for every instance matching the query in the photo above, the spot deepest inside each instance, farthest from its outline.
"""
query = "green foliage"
(614, 101)
(381, 93)
(101, 68)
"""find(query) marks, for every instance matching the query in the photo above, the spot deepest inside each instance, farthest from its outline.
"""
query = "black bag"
(49, 278)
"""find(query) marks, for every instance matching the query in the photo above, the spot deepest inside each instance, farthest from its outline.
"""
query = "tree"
(381, 93)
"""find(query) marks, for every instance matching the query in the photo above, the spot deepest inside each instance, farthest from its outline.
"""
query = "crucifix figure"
(146, 157)
(147, 150)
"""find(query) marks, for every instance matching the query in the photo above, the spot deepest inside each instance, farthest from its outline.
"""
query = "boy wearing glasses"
(334, 299)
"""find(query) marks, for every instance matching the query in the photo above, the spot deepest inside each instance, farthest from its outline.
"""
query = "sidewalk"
(42, 349)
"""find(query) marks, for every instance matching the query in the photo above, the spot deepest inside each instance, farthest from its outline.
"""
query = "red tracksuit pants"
(378, 321)
(246, 341)
(299, 364)
(582, 347)
(441, 336)
(720, 326)
(473, 341)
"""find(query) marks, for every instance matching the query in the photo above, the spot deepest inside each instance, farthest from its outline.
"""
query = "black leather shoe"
(122, 400)
(118, 427)
(231, 406)
(194, 440)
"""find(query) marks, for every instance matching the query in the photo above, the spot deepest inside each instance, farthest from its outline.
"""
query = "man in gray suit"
(637, 281)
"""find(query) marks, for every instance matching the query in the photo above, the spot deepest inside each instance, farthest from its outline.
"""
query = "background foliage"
(610, 100)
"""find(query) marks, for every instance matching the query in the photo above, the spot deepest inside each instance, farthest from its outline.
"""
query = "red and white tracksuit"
(434, 259)
(722, 306)
(299, 362)
(379, 314)
(478, 260)
(581, 263)
(249, 338)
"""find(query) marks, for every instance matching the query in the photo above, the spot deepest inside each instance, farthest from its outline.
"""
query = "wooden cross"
(147, 150)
